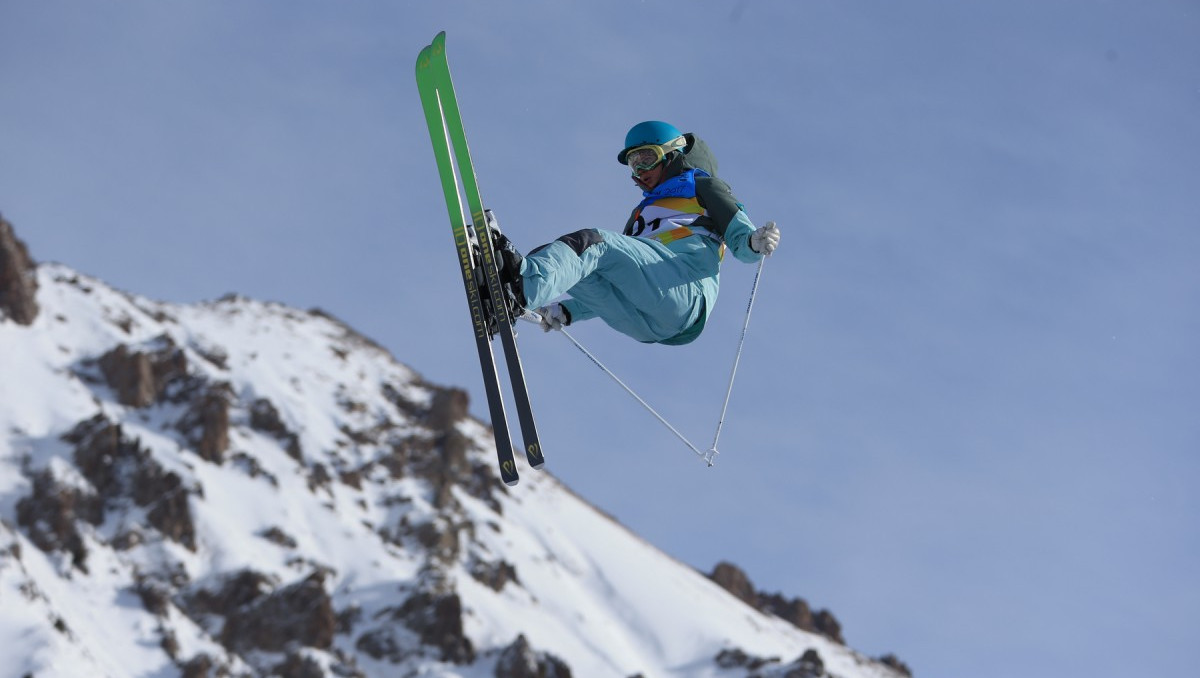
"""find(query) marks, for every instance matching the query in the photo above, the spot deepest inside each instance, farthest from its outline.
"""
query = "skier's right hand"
(765, 239)
(553, 317)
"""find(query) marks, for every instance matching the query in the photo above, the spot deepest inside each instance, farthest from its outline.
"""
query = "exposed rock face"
(121, 470)
(432, 616)
(894, 662)
(438, 620)
(238, 590)
(734, 580)
(50, 514)
(449, 406)
(494, 575)
(265, 417)
(300, 613)
(807, 665)
(259, 617)
(169, 512)
(18, 278)
(519, 660)
(139, 378)
(298, 666)
(207, 423)
(101, 454)
(795, 610)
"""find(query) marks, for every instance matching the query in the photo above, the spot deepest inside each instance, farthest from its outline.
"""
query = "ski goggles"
(643, 158)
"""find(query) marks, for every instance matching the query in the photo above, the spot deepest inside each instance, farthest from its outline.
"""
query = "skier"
(657, 281)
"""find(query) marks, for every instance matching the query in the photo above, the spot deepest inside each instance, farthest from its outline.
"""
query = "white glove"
(765, 239)
(554, 317)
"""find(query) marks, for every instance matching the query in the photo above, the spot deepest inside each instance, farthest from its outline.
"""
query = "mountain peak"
(241, 488)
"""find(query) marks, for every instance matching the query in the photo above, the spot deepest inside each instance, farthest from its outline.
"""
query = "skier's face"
(650, 178)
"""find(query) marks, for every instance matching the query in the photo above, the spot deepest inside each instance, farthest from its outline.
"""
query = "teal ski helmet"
(649, 132)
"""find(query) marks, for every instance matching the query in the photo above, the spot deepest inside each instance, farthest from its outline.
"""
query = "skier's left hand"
(765, 239)
(553, 317)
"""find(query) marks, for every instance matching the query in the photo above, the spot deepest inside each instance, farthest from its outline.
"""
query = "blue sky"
(966, 421)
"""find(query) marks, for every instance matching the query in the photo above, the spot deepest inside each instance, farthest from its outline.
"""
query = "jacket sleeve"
(737, 236)
(726, 217)
(579, 311)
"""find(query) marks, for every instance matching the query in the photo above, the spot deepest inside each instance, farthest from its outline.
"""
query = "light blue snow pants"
(639, 287)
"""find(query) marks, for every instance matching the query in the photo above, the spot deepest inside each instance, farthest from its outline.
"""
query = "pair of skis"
(490, 313)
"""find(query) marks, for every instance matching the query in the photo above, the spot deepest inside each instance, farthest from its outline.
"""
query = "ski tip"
(438, 46)
(423, 59)
(511, 482)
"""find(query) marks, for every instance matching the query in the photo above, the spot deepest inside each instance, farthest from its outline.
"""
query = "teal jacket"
(723, 216)
(656, 287)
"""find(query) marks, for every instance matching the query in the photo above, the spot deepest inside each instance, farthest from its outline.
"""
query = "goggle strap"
(674, 144)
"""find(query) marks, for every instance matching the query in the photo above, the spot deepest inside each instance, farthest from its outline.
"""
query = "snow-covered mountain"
(239, 488)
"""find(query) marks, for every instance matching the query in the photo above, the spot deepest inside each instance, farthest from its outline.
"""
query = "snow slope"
(367, 493)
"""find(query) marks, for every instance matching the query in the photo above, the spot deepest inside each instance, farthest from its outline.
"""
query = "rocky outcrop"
(257, 616)
(121, 470)
(734, 580)
(298, 666)
(448, 463)
(795, 610)
(51, 515)
(163, 494)
(519, 660)
(118, 472)
(449, 405)
(202, 666)
(807, 665)
(103, 455)
(494, 575)
(141, 377)
(433, 618)
(206, 422)
(736, 658)
(437, 618)
(264, 417)
(158, 372)
(236, 590)
(18, 278)
(894, 662)
(300, 613)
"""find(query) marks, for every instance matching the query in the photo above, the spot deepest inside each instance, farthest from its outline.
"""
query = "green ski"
(481, 278)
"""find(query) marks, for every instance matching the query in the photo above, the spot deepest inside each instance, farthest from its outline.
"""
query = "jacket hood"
(695, 155)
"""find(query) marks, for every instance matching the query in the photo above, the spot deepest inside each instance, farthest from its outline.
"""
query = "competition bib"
(667, 212)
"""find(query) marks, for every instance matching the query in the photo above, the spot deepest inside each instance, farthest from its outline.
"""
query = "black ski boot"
(508, 265)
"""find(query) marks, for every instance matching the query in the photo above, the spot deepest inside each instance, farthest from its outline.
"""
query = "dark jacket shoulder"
(714, 195)
(698, 155)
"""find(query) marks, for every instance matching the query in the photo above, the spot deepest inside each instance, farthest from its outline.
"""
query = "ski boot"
(508, 264)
